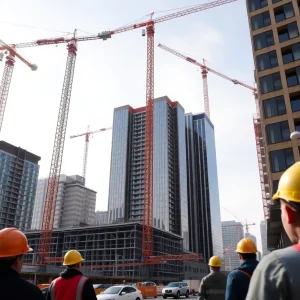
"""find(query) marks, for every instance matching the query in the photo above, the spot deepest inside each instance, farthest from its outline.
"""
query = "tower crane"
(87, 135)
(52, 188)
(260, 146)
(7, 74)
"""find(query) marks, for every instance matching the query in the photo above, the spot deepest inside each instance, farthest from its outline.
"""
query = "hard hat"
(72, 257)
(246, 245)
(289, 184)
(215, 261)
(13, 242)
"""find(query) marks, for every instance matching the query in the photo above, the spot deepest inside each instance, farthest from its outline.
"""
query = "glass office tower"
(126, 191)
(203, 190)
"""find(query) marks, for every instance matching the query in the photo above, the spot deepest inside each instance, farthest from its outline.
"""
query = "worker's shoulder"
(30, 290)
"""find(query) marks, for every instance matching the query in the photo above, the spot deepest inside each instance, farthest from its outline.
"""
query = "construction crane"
(260, 146)
(52, 188)
(7, 74)
(87, 135)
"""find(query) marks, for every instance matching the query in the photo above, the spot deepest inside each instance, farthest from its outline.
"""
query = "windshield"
(173, 284)
(112, 290)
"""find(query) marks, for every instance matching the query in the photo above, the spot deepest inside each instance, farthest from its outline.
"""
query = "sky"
(112, 73)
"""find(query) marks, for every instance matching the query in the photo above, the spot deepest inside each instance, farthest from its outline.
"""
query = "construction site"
(126, 249)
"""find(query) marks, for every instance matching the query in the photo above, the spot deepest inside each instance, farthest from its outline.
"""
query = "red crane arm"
(193, 61)
(90, 132)
(107, 34)
(13, 52)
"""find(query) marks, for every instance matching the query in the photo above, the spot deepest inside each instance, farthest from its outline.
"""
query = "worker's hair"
(294, 205)
(215, 269)
(248, 255)
(72, 266)
(9, 261)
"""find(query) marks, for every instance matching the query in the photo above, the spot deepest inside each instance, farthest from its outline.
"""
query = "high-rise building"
(101, 217)
(203, 191)
(19, 171)
(274, 29)
(263, 232)
(232, 233)
(126, 190)
(75, 204)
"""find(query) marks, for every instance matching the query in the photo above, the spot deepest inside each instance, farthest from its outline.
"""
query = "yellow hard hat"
(215, 261)
(72, 257)
(246, 245)
(289, 184)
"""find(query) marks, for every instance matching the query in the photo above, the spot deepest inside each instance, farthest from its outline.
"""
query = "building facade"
(203, 191)
(126, 190)
(263, 232)
(274, 29)
(232, 233)
(19, 171)
(75, 204)
(101, 217)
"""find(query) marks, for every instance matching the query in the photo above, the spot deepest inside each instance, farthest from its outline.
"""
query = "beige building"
(274, 28)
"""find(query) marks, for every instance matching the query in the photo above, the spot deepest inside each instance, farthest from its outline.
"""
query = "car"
(120, 292)
(175, 290)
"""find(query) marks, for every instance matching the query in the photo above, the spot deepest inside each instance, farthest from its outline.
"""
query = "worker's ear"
(291, 214)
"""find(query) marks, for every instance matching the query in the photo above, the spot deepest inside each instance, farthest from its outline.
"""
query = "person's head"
(13, 246)
(73, 259)
(215, 264)
(289, 195)
(246, 249)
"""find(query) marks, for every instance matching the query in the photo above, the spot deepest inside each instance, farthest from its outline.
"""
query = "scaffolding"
(109, 245)
(262, 164)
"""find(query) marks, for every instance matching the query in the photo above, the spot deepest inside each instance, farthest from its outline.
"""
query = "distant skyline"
(112, 73)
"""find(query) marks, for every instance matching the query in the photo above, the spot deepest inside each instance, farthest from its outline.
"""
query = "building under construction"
(111, 245)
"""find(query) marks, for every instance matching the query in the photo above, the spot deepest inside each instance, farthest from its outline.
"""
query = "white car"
(120, 292)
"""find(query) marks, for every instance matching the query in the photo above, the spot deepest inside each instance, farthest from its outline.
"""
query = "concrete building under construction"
(110, 245)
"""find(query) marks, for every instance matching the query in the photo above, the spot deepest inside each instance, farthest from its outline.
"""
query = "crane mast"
(57, 154)
(5, 83)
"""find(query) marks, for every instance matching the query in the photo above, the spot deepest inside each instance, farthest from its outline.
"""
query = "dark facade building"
(126, 191)
(275, 35)
(19, 171)
(203, 192)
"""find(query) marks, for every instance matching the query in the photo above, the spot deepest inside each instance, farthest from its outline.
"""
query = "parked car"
(120, 292)
(176, 289)
(100, 288)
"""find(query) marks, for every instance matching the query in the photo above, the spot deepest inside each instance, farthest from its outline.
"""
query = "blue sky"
(112, 73)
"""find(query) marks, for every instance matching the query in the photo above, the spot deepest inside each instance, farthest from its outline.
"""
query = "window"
(295, 102)
(270, 83)
(266, 61)
(281, 159)
(291, 53)
(278, 132)
(297, 125)
(284, 12)
(274, 107)
(263, 40)
(275, 185)
(293, 76)
(256, 4)
(261, 20)
(288, 32)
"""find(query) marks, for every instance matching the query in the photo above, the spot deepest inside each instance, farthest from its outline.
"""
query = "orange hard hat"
(13, 242)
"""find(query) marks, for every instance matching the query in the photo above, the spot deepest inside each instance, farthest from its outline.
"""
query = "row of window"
(285, 33)
(269, 60)
(276, 106)
(258, 4)
(281, 13)
(272, 82)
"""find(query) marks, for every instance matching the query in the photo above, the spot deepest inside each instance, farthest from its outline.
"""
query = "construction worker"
(239, 279)
(213, 286)
(13, 246)
(71, 285)
(277, 275)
